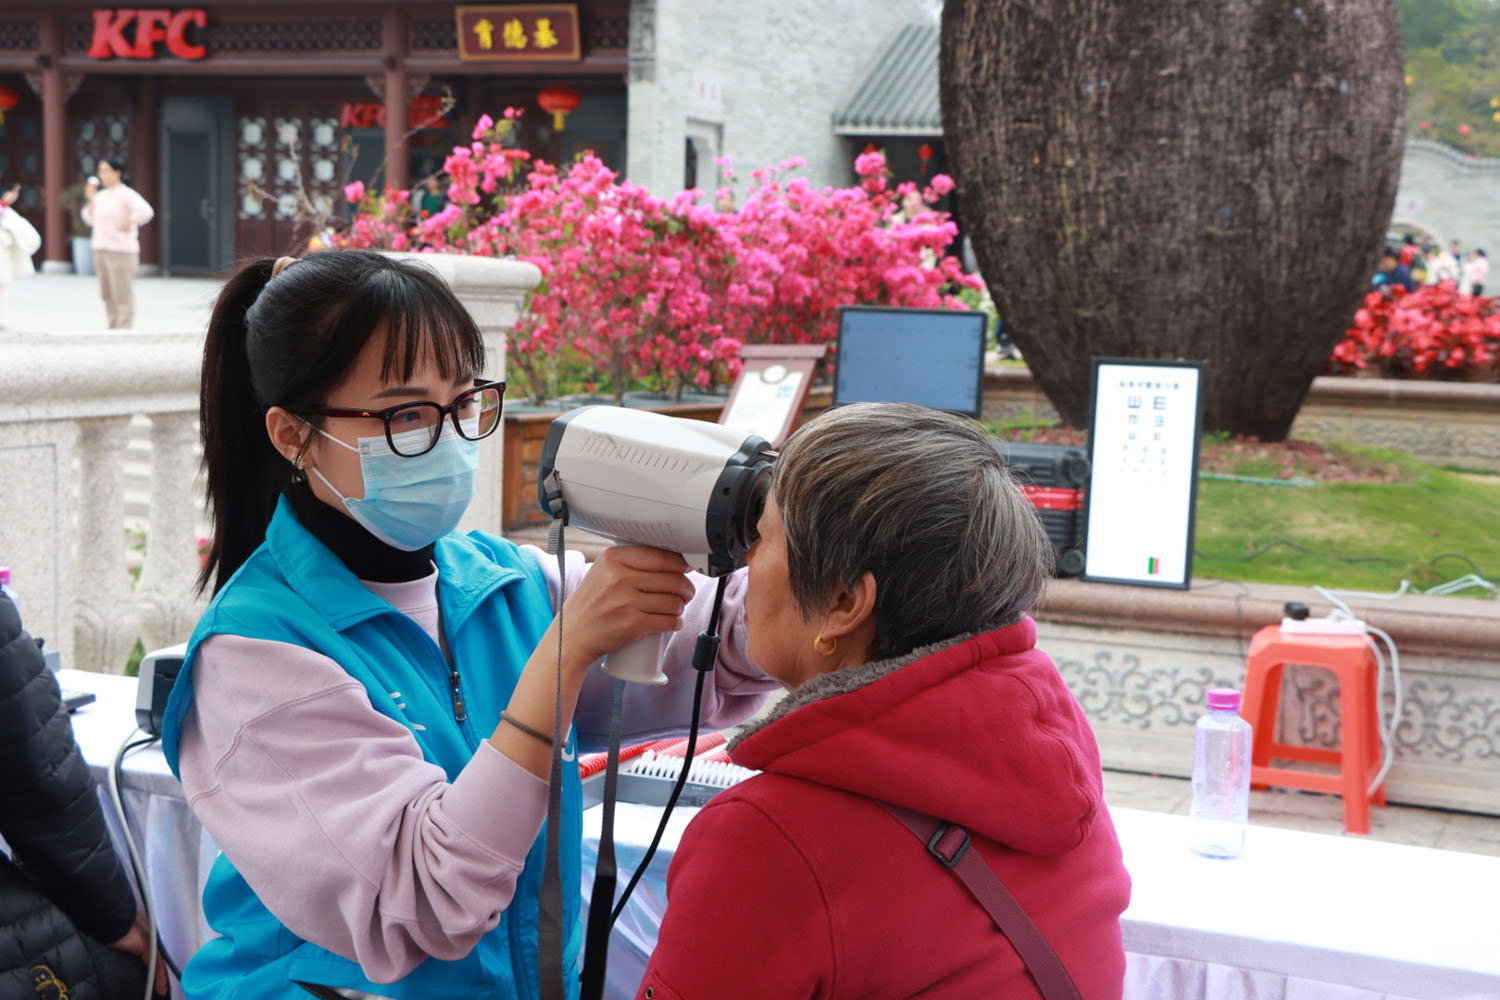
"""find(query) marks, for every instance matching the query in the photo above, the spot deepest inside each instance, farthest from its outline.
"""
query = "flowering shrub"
(666, 291)
(1434, 332)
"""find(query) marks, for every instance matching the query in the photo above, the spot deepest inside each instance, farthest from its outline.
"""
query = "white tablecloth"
(1300, 917)
(175, 849)
(1306, 916)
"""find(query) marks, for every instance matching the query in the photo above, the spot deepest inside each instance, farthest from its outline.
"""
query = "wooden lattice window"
(98, 136)
(606, 33)
(251, 143)
(434, 34)
(78, 35)
(20, 36)
(326, 35)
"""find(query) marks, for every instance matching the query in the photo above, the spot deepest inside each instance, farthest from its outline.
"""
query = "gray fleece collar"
(831, 685)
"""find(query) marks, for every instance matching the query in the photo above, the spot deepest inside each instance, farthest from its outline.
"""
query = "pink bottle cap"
(1223, 700)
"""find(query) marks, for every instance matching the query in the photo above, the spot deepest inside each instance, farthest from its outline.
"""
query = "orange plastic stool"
(1358, 757)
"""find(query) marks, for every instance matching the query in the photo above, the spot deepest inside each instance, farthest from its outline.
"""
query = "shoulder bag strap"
(949, 845)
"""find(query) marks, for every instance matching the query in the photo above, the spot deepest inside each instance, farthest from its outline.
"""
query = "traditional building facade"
(233, 117)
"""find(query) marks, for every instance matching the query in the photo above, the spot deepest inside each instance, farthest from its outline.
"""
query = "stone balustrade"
(67, 402)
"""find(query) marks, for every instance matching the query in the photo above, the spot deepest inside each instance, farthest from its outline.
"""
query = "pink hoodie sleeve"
(333, 817)
(138, 210)
(732, 693)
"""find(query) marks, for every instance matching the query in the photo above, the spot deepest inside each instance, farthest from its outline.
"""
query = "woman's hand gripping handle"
(631, 593)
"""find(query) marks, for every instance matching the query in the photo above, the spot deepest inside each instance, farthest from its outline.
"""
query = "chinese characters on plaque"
(1144, 442)
(520, 33)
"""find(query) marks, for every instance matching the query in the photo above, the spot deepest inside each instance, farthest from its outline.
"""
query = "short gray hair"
(923, 501)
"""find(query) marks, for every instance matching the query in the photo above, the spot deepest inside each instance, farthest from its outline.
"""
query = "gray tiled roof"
(897, 94)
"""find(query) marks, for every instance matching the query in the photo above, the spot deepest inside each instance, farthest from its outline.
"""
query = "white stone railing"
(66, 405)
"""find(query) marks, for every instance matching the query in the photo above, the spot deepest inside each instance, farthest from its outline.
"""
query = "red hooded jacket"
(798, 884)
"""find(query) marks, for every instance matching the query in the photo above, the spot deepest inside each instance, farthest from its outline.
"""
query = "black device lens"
(757, 505)
(735, 508)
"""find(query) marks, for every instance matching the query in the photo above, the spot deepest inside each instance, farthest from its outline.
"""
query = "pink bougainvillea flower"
(666, 290)
(354, 192)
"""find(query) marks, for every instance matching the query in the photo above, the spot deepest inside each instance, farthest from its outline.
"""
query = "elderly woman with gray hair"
(889, 592)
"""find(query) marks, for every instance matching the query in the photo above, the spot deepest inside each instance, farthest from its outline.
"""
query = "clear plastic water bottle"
(1221, 778)
(5, 586)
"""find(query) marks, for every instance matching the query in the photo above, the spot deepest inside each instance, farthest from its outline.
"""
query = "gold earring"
(833, 644)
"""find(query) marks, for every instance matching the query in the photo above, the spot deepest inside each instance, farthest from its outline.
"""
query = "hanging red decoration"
(8, 99)
(1424, 126)
(1463, 129)
(924, 153)
(560, 100)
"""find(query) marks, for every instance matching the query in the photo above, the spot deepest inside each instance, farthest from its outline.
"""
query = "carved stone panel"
(1144, 690)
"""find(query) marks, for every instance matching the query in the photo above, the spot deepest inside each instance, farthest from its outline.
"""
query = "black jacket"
(61, 875)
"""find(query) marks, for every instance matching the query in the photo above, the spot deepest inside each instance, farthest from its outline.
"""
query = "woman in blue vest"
(364, 719)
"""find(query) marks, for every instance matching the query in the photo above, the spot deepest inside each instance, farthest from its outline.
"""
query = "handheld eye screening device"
(644, 478)
(686, 486)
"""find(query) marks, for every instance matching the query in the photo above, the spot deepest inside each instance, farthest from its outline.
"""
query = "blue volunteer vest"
(495, 607)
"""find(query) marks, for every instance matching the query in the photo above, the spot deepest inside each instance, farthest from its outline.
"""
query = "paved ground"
(52, 303)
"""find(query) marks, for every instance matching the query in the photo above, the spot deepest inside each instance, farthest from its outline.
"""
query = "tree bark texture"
(1196, 179)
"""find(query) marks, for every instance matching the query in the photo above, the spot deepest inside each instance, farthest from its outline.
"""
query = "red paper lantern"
(1424, 126)
(8, 99)
(924, 153)
(560, 100)
(1463, 130)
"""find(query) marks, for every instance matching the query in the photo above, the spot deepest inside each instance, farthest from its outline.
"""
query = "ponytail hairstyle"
(288, 340)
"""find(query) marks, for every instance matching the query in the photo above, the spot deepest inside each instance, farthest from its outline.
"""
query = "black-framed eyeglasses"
(413, 429)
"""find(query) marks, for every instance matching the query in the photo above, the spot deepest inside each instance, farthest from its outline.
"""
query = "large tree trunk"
(1199, 179)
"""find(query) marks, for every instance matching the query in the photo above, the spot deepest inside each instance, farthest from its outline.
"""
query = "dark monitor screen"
(931, 357)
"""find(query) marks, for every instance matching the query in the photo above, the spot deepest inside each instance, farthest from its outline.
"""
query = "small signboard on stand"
(1143, 482)
(768, 396)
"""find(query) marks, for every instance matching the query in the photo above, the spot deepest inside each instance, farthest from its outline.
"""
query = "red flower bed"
(1436, 332)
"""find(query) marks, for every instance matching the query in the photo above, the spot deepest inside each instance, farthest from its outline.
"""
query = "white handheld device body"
(644, 478)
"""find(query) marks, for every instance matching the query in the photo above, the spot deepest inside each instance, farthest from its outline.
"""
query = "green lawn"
(1353, 535)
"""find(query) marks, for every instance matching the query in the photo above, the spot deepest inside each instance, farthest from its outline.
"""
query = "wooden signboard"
(768, 396)
(541, 32)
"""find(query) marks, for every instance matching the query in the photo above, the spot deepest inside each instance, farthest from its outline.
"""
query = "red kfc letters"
(152, 25)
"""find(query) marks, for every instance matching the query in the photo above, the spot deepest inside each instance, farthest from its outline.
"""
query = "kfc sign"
(131, 33)
(425, 112)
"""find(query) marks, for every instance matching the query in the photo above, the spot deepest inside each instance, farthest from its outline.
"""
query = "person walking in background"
(1418, 268)
(430, 199)
(116, 211)
(1477, 272)
(1392, 273)
(1410, 252)
(1442, 265)
(18, 241)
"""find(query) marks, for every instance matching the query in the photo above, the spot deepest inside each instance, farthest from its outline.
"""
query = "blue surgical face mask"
(411, 502)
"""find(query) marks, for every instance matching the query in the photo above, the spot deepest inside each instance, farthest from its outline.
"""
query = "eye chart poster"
(1143, 483)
